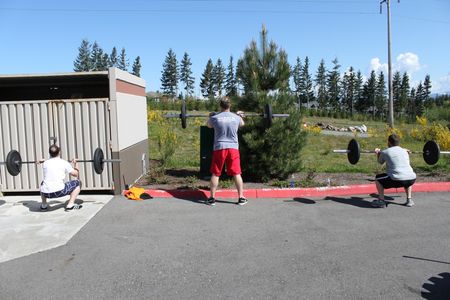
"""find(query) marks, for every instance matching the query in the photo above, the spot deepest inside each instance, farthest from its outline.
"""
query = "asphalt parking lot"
(303, 248)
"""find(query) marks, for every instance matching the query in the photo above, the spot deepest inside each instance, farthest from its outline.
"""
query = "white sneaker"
(378, 203)
(409, 203)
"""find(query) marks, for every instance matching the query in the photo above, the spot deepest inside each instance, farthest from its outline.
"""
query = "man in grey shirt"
(398, 171)
(226, 149)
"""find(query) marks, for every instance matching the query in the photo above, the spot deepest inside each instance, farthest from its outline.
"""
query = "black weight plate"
(14, 162)
(98, 161)
(354, 152)
(431, 152)
(183, 115)
(268, 115)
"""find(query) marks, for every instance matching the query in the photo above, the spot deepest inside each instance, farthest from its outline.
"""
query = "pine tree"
(419, 100)
(169, 78)
(427, 90)
(321, 86)
(368, 95)
(104, 62)
(348, 90)
(218, 77)
(411, 107)
(306, 84)
(97, 57)
(359, 89)
(230, 80)
(404, 93)
(123, 61)
(380, 96)
(263, 68)
(206, 83)
(136, 69)
(186, 75)
(396, 88)
(333, 86)
(83, 61)
(296, 77)
(113, 60)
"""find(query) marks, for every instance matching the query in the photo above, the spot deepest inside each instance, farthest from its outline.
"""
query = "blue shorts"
(69, 187)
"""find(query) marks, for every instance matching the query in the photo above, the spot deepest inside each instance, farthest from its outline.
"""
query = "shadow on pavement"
(303, 200)
(2, 202)
(439, 288)
(35, 206)
(355, 201)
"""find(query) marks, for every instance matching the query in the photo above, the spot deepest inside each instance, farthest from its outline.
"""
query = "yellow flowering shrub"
(313, 129)
(434, 131)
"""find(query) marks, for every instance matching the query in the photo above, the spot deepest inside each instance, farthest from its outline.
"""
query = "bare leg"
(380, 190)
(73, 196)
(213, 185)
(239, 185)
(44, 201)
(408, 192)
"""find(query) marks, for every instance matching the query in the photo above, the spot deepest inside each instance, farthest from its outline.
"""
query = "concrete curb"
(298, 192)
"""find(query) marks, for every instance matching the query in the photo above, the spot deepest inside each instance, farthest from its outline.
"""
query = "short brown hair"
(54, 150)
(225, 102)
(394, 140)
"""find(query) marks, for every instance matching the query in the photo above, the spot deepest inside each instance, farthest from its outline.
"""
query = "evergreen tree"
(333, 86)
(348, 90)
(136, 69)
(97, 58)
(359, 88)
(419, 100)
(321, 86)
(380, 96)
(104, 61)
(263, 68)
(206, 83)
(427, 91)
(404, 93)
(411, 107)
(367, 100)
(113, 60)
(123, 61)
(83, 61)
(169, 78)
(306, 84)
(396, 89)
(218, 77)
(230, 80)
(296, 76)
(186, 75)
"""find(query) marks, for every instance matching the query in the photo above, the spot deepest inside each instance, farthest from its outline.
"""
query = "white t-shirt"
(55, 171)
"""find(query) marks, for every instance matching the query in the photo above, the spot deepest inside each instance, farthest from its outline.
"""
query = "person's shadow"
(439, 288)
(35, 206)
(355, 201)
(2, 202)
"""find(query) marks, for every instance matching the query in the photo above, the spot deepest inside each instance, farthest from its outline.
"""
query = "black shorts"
(388, 183)
(68, 188)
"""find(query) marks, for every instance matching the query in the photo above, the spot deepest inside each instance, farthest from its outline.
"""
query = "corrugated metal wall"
(80, 126)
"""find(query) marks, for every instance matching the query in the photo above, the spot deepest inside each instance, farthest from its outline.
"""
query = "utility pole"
(391, 99)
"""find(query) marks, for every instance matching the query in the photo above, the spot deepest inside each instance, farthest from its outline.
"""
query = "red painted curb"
(298, 192)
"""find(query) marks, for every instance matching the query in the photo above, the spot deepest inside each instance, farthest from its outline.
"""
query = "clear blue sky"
(44, 36)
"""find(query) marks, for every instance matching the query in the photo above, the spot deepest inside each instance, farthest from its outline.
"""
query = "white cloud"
(442, 85)
(377, 66)
(408, 62)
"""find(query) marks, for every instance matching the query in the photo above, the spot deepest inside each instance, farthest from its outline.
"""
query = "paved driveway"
(333, 248)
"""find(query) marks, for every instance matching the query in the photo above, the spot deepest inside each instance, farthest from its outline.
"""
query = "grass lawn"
(317, 155)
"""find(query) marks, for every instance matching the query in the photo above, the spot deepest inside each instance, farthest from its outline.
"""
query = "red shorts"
(230, 157)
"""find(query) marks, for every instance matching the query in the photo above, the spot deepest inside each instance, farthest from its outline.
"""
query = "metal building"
(83, 111)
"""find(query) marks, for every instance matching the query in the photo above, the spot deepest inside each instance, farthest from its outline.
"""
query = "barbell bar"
(267, 115)
(14, 161)
(430, 152)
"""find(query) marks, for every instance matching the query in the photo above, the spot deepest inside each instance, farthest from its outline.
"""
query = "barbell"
(268, 115)
(14, 162)
(430, 152)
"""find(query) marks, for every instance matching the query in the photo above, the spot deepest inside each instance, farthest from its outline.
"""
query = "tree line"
(325, 90)
(91, 57)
